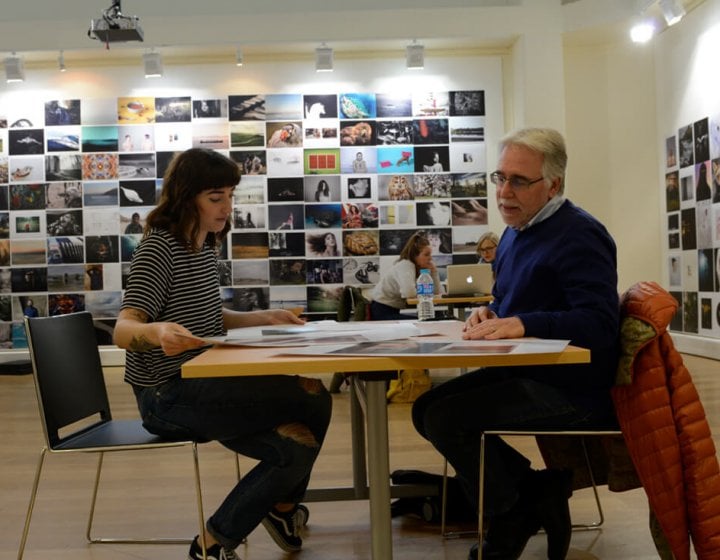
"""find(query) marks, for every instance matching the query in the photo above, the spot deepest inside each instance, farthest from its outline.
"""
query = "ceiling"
(205, 31)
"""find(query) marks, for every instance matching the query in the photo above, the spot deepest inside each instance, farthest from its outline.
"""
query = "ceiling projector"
(114, 27)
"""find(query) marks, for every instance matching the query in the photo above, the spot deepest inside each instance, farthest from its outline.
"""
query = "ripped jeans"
(279, 420)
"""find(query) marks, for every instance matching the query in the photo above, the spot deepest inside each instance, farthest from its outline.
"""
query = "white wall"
(687, 86)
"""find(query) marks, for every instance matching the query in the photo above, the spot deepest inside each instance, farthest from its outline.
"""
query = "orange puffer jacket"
(664, 425)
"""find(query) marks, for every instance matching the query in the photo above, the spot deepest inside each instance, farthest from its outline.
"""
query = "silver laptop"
(469, 279)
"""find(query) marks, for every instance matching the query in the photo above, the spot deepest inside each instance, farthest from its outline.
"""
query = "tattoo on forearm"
(140, 344)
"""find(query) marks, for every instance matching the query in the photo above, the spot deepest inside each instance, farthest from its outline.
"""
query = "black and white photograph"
(26, 141)
(285, 189)
(435, 213)
(210, 109)
(284, 243)
(391, 105)
(138, 193)
(324, 271)
(250, 272)
(63, 167)
(467, 102)
(317, 107)
(67, 194)
(287, 271)
(246, 107)
(286, 216)
(249, 216)
(136, 166)
(173, 109)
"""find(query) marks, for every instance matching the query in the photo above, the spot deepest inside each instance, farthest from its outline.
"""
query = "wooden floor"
(151, 493)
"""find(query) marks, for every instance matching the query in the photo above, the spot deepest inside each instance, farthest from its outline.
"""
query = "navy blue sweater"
(560, 278)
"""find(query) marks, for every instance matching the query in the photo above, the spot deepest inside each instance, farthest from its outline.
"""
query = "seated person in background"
(555, 278)
(398, 283)
(172, 298)
(486, 247)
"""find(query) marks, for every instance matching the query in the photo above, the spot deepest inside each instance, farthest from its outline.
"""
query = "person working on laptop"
(555, 278)
(486, 247)
(397, 284)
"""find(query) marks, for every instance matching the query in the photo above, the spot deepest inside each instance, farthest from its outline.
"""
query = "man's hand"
(483, 324)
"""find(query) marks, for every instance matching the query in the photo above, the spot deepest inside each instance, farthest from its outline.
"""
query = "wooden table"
(456, 304)
(369, 377)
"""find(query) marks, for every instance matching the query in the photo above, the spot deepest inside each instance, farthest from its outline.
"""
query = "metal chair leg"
(31, 505)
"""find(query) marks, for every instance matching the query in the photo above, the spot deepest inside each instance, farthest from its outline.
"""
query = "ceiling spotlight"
(14, 69)
(61, 62)
(238, 57)
(323, 59)
(415, 56)
(153, 65)
(672, 10)
(642, 32)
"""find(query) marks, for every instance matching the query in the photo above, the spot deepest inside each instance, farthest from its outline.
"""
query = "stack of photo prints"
(332, 187)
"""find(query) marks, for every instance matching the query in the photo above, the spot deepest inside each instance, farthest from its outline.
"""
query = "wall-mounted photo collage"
(692, 202)
(332, 186)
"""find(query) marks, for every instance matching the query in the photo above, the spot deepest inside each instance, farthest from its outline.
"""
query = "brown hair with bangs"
(190, 173)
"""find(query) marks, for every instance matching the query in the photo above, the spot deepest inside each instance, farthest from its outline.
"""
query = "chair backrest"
(68, 375)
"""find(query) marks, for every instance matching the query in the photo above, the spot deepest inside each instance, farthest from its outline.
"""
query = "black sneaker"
(284, 527)
(214, 552)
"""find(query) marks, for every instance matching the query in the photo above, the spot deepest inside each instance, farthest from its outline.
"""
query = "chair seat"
(115, 435)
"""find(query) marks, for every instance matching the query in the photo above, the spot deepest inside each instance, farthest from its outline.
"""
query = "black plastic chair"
(71, 391)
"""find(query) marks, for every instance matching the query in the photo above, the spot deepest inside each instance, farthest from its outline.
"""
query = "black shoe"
(214, 552)
(553, 511)
(508, 533)
(284, 527)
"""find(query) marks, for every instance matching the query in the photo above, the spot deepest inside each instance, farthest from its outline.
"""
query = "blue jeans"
(279, 420)
(454, 414)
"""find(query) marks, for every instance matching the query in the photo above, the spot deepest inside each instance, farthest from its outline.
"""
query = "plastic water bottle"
(425, 291)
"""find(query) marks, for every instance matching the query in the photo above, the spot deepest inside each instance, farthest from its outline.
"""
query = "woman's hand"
(282, 317)
(483, 324)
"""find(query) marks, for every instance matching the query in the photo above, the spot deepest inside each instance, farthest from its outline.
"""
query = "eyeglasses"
(515, 182)
(488, 249)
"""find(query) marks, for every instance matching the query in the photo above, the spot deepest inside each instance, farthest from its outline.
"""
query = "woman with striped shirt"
(171, 300)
